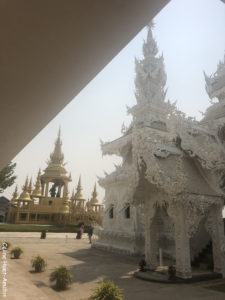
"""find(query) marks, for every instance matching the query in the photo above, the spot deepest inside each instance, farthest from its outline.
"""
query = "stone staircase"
(204, 260)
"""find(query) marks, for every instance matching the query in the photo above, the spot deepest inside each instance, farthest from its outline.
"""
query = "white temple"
(168, 192)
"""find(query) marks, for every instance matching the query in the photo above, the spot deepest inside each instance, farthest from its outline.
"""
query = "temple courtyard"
(89, 267)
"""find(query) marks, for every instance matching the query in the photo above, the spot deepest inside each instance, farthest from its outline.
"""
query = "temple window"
(111, 213)
(43, 217)
(23, 216)
(32, 216)
(127, 211)
(50, 202)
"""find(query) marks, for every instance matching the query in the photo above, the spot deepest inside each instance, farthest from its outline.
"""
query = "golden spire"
(25, 196)
(30, 186)
(25, 187)
(78, 195)
(56, 167)
(88, 203)
(37, 189)
(15, 196)
(57, 157)
(94, 199)
(73, 195)
(67, 200)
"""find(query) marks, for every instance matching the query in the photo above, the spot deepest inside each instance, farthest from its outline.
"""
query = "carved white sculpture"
(172, 174)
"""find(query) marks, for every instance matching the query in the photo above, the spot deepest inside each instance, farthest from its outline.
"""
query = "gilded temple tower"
(94, 203)
(48, 202)
(55, 180)
(78, 198)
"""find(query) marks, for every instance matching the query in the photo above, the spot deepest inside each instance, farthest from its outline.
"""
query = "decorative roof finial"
(25, 187)
(59, 132)
(78, 195)
(30, 186)
(79, 184)
(57, 157)
(73, 195)
(151, 24)
(25, 196)
(94, 199)
(37, 189)
(15, 194)
(215, 84)
(150, 78)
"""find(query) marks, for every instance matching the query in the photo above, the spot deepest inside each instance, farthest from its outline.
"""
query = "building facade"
(168, 193)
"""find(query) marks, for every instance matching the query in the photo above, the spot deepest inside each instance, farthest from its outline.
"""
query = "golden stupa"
(94, 203)
(49, 201)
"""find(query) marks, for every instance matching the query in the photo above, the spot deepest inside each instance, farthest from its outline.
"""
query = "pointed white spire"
(57, 157)
(150, 73)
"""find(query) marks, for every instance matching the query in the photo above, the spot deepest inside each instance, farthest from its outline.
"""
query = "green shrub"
(16, 252)
(107, 291)
(62, 276)
(38, 263)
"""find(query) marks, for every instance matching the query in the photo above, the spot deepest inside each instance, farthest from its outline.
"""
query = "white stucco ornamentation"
(171, 183)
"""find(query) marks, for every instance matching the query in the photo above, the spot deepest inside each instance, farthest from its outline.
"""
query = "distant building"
(4, 203)
(49, 202)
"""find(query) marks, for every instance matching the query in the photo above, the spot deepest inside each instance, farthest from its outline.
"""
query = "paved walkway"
(89, 267)
(38, 234)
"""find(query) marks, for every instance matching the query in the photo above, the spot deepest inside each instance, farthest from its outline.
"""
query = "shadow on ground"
(94, 264)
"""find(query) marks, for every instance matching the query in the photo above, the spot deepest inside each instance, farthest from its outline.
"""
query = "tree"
(6, 176)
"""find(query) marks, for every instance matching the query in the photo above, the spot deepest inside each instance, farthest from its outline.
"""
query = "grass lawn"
(37, 228)
(218, 287)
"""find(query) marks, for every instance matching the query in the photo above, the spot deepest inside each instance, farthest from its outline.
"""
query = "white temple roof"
(116, 146)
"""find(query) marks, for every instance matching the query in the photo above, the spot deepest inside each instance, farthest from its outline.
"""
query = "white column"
(160, 257)
(215, 227)
(46, 189)
(42, 189)
(151, 244)
(60, 188)
(65, 189)
(183, 260)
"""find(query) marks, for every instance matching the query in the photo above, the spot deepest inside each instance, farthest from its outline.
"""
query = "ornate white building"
(169, 190)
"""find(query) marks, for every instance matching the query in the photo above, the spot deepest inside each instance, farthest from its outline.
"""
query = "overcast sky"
(191, 35)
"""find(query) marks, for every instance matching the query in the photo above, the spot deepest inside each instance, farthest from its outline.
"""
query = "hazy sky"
(191, 35)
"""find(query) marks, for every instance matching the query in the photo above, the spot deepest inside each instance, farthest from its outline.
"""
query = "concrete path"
(89, 267)
(37, 235)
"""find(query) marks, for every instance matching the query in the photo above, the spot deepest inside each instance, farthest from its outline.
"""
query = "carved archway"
(159, 235)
